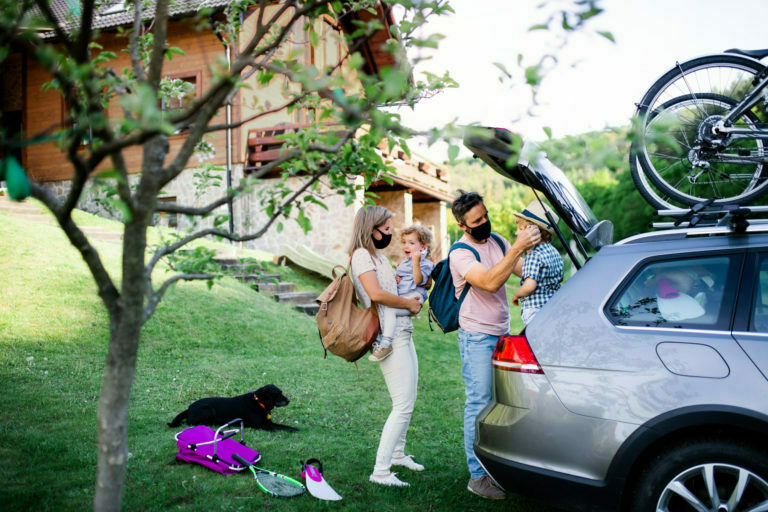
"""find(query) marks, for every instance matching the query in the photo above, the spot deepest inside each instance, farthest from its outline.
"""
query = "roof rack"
(733, 217)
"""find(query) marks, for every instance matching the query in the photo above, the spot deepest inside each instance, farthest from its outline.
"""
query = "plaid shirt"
(544, 265)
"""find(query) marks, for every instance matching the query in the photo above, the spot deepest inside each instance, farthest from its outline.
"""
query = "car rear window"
(679, 293)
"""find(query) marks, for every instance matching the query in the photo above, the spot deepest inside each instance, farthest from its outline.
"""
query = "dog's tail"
(177, 420)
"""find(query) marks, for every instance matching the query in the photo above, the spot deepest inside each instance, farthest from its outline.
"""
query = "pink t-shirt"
(481, 311)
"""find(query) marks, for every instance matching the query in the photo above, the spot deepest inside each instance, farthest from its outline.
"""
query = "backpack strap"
(500, 242)
(462, 245)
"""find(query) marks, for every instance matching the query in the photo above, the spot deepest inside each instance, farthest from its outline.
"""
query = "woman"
(374, 281)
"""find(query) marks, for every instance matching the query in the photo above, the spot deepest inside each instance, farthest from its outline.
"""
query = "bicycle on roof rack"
(701, 133)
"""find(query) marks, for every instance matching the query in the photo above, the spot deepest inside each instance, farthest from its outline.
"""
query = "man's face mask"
(481, 232)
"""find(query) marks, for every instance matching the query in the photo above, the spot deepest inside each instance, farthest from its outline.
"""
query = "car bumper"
(562, 490)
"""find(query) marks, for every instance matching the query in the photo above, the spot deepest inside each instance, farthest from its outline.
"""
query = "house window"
(68, 121)
(178, 92)
(170, 220)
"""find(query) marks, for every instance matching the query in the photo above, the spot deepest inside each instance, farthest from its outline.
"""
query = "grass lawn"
(219, 342)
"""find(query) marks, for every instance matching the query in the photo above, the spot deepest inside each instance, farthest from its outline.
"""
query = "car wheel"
(704, 475)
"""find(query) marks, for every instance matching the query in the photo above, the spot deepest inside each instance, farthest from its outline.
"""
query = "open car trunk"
(528, 165)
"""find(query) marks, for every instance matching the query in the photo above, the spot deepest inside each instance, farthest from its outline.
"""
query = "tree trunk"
(113, 416)
(119, 373)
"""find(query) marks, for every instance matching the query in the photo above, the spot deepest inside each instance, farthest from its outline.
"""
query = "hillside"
(220, 342)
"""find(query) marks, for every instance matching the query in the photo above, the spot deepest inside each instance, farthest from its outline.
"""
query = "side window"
(758, 321)
(681, 293)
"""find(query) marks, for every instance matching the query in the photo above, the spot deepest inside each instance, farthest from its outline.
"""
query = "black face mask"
(384, 242)
(481, 232)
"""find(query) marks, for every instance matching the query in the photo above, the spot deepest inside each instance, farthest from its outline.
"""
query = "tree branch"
(134, 42)
(86, 29)
(168, 249)
(219, 127)
(160, 35)
(106, 288)
(156, 297)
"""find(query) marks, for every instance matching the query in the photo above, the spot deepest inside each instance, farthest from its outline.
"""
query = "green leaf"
(607, 35)
(16, 179)
(532, 76)
(548, 131)
(502, 69)
(174, 50)
(313, 39)
(594, 11)
(453, 152)
(541, 26)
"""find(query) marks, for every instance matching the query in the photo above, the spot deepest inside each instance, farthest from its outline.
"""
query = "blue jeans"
(475, 349)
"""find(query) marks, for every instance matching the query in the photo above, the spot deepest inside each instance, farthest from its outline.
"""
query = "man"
(484, 314)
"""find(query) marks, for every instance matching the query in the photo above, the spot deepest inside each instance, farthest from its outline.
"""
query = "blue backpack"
(443, 305)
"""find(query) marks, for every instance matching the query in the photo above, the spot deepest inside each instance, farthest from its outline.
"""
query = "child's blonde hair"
(423, 234)
(546, 236)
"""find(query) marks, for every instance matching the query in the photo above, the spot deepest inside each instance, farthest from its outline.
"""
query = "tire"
(676, 479)
(642, 185)
(707, 86)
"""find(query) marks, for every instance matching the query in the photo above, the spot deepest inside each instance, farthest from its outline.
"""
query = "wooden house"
(419, 190)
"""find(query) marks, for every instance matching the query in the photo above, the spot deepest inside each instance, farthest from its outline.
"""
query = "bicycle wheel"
(675, 146)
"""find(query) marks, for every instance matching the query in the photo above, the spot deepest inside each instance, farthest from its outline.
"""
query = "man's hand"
(515, 300)
(527, 238)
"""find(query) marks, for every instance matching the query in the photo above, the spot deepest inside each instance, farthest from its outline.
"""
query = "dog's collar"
(269, 416)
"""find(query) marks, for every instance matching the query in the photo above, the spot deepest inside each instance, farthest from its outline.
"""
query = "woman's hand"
(414, 306)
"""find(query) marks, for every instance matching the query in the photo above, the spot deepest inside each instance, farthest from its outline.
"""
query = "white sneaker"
(408, 462)
(389, 479)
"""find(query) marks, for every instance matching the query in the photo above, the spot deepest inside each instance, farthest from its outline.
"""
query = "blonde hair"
(423, 234)
(366, 219)
(546, 236)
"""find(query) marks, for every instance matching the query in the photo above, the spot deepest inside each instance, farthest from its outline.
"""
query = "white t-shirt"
(363, 261)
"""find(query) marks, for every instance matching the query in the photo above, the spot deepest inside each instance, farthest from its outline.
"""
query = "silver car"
(643, 384)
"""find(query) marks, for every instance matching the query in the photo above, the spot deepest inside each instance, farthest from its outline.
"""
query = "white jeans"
(401, 373)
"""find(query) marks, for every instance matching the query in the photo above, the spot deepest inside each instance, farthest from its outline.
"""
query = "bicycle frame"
(749, 101)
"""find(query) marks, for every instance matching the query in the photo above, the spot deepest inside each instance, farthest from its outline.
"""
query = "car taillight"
(513, 354)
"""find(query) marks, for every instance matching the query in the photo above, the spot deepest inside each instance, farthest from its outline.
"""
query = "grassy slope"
(224, 341)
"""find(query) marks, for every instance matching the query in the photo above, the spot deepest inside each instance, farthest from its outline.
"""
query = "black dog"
(254, 408)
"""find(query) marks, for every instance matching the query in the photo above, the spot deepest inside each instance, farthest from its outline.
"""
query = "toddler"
(411, 275)
(542, 266)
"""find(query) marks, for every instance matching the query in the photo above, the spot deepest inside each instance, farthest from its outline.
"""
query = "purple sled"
(214, 448)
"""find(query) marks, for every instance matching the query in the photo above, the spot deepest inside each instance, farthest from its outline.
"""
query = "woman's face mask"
(383, 242)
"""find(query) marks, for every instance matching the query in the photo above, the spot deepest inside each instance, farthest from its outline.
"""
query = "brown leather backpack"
(346, 330)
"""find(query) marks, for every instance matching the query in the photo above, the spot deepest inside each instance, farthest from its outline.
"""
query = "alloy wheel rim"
(715, 488)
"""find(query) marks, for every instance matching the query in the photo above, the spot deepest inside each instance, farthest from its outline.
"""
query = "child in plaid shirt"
(542, 267)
